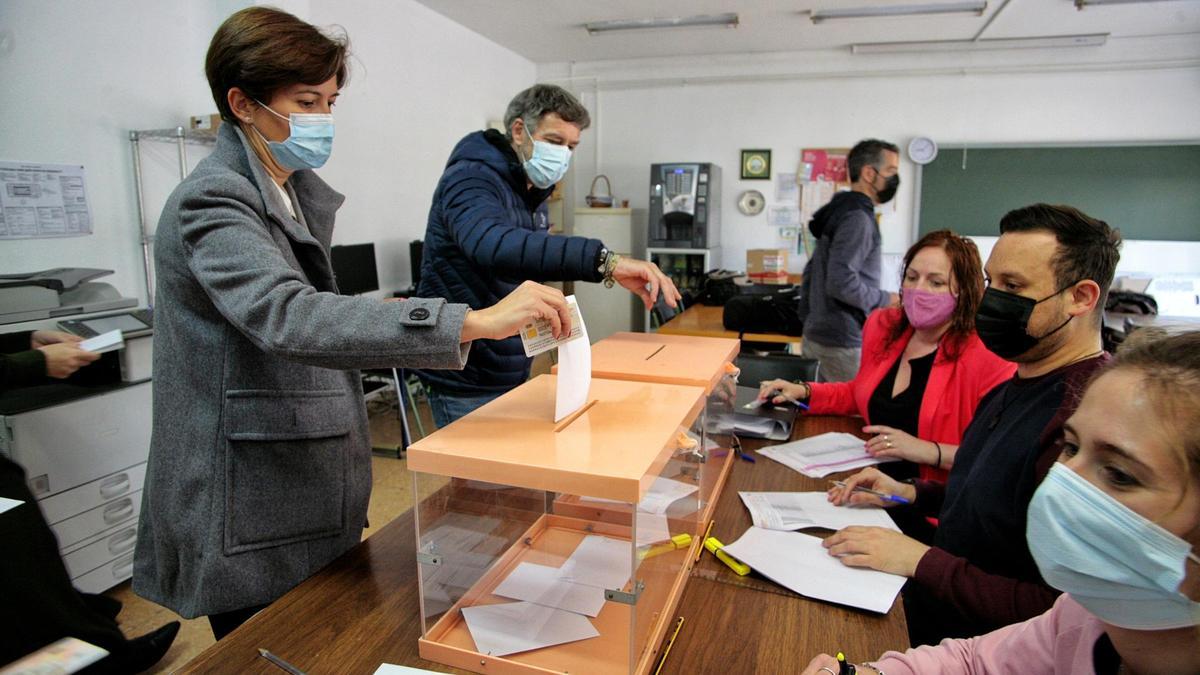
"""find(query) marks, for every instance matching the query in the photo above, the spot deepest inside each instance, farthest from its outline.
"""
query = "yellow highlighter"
(734, 564)
(673, 544)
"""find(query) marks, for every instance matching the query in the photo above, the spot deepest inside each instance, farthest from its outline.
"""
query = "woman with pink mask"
(923, 368)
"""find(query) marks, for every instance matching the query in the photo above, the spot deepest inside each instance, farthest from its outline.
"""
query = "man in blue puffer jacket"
(485, 236)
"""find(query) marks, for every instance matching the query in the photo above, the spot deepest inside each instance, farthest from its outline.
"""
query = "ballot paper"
(821, 455)
(391, 669)
(798, 562)
(662, 493)
(68, 655)
(599, 561)
(6, 504)
(543, 585)
(574, 368)
(538, 336)
(105, 342)
(798, 510)
(515, 627)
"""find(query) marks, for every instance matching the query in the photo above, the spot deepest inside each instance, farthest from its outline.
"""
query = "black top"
(903, 410)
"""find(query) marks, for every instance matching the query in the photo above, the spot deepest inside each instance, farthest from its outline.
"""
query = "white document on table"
(798, 562)
(823, 454)
(104, 342)
(662, 493)
(545, 586)
(392, 669)
(652, 528)
(798, 510)
(574, 369)
(6, 504)
(514, 627)
(599, 561)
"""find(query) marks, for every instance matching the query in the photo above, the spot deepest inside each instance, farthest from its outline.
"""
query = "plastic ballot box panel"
(547, 547)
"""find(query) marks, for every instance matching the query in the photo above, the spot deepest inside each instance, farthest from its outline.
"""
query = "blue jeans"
(449, 407)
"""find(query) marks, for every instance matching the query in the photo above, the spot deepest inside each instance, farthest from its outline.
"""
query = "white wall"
(80, 75)
(711, 109)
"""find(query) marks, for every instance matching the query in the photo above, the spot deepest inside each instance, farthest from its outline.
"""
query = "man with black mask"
(1048, 276)
(842, 278)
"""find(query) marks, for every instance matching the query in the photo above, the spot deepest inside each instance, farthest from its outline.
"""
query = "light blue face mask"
(548, 163)
(309, 141)
(1121, 567)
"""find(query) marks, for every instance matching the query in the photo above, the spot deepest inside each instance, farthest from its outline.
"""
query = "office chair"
(757, 368)
(661, 312)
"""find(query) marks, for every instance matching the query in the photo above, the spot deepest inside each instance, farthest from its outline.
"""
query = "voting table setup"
(575, 525)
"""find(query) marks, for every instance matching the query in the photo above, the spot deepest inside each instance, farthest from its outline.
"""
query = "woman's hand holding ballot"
(529, 302)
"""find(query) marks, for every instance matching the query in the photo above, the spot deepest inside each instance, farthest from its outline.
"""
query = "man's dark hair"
(542, 99)
(1087, 248)
(867, 153)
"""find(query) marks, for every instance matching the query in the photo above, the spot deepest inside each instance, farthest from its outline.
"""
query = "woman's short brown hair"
(966, 272)
(261, 50)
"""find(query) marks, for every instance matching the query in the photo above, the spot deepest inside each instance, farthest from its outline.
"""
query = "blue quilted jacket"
(482, 240)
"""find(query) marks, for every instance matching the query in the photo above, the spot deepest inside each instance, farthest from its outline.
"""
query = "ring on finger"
(826, 669)
(890, 446)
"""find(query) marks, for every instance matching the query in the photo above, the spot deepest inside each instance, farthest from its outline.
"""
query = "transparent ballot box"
(556, 547)
(687, 360)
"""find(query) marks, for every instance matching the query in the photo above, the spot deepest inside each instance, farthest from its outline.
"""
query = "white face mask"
(1120, 566)
(547, 164)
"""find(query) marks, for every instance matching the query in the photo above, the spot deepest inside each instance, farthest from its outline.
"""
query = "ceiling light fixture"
(975, 7)
(1080, 4)
(729, 20)
(1050, 41)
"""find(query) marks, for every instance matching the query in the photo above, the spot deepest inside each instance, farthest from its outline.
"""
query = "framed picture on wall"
(756, 165)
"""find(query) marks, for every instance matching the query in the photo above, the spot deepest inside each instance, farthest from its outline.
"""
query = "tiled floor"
(391, 496)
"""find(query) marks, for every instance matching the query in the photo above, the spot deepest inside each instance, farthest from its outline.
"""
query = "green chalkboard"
(1149, 192)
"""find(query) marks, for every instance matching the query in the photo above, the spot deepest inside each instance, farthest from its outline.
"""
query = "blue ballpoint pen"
(882, 495)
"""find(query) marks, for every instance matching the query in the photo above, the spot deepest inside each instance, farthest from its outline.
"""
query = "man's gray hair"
(542, 99)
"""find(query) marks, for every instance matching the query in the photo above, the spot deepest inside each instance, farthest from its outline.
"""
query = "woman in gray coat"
(260, 464)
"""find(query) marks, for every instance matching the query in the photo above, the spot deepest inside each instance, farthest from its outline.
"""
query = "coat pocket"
(285, 467)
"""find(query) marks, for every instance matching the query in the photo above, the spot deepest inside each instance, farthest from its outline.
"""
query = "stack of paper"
(798, 510)
(821, 455)
(799, 562)
(514, 627)
(105, 342)
(555, 602)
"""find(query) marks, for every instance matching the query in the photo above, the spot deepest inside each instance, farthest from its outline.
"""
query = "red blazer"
(951, 395)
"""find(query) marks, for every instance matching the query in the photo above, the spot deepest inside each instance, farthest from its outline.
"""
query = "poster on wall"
(823, 164)
(43, 200)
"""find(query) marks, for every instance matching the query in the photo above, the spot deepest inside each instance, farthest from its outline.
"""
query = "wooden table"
(362, 610)
(705, 321)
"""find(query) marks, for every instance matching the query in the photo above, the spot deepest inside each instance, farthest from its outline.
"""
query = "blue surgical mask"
(309, 141)
(548, 163)
(1121, 567)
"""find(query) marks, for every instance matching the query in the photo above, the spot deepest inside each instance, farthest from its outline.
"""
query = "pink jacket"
(1061, 641)
(951, 395)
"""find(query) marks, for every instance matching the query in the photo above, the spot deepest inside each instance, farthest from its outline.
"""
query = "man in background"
(842, 281)
(483, 239)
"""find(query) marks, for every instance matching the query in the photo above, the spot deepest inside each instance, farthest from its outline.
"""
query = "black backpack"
(775, 312)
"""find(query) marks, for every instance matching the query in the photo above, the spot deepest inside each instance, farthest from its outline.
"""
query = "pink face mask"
(926, 309)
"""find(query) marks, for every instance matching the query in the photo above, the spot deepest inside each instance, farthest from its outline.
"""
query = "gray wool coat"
(260, 462)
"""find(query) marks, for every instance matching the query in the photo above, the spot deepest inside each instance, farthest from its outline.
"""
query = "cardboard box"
(767, 265)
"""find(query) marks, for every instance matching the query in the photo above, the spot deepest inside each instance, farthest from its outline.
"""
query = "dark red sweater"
(980, 575)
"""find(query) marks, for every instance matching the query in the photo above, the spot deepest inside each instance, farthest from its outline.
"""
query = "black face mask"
(889, 189)
(1003, 319)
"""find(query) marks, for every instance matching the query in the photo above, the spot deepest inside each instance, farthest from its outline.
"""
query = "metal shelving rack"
(182, 137)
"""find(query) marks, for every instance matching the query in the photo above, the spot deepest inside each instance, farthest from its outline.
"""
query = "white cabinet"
(607, 310)
(85, 461)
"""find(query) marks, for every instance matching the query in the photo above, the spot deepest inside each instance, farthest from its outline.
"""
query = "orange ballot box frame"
(492, 523)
